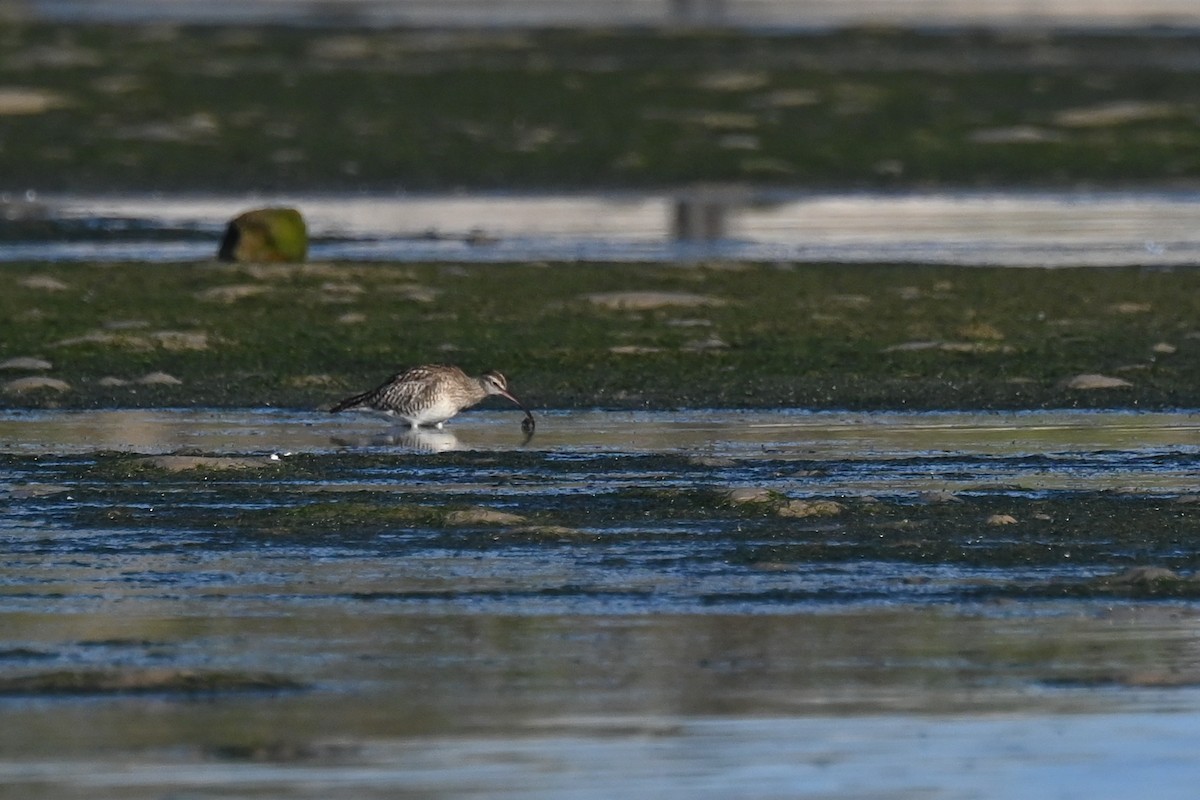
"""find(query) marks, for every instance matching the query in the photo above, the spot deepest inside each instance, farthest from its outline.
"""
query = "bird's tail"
(350, 402)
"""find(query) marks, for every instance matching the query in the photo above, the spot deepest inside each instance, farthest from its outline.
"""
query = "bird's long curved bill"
(528, 413)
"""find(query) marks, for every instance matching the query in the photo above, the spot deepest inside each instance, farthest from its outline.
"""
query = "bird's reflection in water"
(420, 440)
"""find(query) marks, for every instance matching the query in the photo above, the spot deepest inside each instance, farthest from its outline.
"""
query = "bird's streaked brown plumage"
(432, 394)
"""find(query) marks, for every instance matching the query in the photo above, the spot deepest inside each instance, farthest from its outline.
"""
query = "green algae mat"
(159, 108)
(602, 335)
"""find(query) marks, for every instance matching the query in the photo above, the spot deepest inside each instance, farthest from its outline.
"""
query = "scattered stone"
(711, 343)
(36, 383)
(352, 318)
(342, 288)
(265, 235)
(713, 462)
(810, 508)
(949, 347)
(633, 349)
(483, 516)
(738, 141)
(733, 81)
(167, 340)
(849, 300)
(648, 301)
(26, 363)
(791, 98)
(416, 293)
(549, 531)
(159, 379)
(186, 463)
(1143, 575)
(192, 128)
(112, 380)
(911, 347)
(1016, 134)
(181, 340)
(1121, 112)
(101, 337)
(981, 330)
(720, 120)
(1162, 349)
(745, 495)
(45, 283)
(938, 496)
(975, 347)
(1089, 381)
(1001, 519)
(1130, 308)
(20, 101)
(233, 293)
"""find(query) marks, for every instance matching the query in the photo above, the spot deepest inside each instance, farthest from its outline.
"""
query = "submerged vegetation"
(677, 515)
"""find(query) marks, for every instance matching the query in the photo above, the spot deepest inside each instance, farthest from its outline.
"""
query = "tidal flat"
(603, 335)
(815, 530)
(236, 109)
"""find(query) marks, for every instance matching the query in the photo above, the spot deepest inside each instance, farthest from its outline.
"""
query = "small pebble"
(36, 383)
(159, 379)
(26, 363)
(1096, 381)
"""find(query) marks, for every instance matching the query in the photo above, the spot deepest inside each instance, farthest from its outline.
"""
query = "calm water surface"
(1025, 229)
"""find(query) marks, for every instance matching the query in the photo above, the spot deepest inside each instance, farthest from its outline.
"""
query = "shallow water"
(1028, 229)
(888, 452)
(904, 648)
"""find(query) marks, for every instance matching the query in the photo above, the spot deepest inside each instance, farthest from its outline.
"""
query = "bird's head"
(495, 383)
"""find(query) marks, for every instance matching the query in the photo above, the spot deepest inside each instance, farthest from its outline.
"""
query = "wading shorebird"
(432, 394)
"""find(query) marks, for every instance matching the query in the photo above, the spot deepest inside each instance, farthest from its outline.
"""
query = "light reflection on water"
(1028, 229)
(440, 666)
(879, 452)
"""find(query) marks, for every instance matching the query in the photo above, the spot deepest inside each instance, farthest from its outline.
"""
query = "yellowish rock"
(265, 235)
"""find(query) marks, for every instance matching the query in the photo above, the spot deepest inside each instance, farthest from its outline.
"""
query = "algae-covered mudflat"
(606, 335)
(228, 109)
